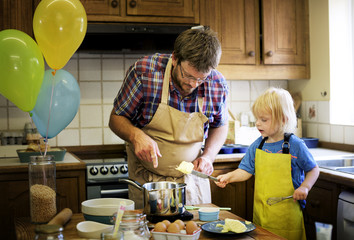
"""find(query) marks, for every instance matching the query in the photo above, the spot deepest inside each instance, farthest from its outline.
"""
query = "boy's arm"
(305, 187)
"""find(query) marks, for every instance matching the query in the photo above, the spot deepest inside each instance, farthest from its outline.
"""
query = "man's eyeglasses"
(185, 75)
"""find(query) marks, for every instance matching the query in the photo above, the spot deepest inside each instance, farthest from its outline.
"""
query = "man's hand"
(204, 165)
(146, 149)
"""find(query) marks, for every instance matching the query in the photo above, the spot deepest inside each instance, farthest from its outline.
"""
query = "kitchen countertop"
(25, 230)
(13, 164)
(318, 154)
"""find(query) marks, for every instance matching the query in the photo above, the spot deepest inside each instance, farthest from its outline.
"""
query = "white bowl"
(89, 229)
(105, 206)
(102, 209)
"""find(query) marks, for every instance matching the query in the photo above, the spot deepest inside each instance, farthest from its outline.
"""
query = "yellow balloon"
(59, 27)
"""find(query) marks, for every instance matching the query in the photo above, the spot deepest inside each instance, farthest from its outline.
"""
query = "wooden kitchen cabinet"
(142, 11)
(261, 39)
(14, 200)
(321, 206)
(238, 196)
(18, 14)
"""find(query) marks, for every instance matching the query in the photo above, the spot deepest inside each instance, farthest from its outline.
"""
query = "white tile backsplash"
(91, 136)
(91, 116)
(324, 132)
(107, 109)
(337, 134)
(257, 88)
(90, 69)
(101, 75)
(110, 90)
(240, 91)
(3, 119)
(110, 138)
(311, 130)
(17, 118)
(323, 112)
(90, 93)
(112, 69)
(349, 134)
(69, 137)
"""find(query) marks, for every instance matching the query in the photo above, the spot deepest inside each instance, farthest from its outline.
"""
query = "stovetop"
(106, 169)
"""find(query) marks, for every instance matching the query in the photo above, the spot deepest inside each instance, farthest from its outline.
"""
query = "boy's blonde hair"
(279, 103)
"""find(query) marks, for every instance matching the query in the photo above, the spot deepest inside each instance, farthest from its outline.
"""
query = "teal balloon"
(65, 103)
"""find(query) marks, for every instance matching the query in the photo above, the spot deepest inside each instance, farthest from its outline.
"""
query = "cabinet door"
(321, 206)
(233, 195)
(284, 31)
(17, 14)
(174, 8)
(235, 21)
(101, 7)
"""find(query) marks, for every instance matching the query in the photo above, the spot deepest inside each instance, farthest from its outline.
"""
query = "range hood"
(130, 38)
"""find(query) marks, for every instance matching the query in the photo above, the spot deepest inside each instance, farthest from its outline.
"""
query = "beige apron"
(273, 179)
(179, 136)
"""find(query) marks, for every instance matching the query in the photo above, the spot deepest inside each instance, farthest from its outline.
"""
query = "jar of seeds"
(42, 189)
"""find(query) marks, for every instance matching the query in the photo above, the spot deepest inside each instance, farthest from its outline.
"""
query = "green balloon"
(21, 68)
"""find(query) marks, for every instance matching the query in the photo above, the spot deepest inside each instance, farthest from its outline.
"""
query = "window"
(341, 38)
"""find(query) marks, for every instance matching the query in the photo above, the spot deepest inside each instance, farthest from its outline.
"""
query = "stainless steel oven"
(102, 178)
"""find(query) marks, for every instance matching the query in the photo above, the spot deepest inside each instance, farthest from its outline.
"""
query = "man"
(167, 105)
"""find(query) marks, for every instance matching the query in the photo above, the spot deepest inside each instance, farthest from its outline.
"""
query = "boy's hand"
(223, 180)
(300, 193)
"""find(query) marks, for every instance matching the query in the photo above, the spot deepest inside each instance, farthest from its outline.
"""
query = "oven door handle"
(114, 191)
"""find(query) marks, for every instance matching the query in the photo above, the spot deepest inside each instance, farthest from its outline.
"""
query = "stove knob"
(104, 170)
(124, 169)
(114, 170)
(94, 171)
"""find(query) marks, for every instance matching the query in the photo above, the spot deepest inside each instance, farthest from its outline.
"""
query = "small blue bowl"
(208, 214)
(311, 142)
(240, 148)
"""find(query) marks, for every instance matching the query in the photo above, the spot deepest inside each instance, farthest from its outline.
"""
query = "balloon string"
(50, 110)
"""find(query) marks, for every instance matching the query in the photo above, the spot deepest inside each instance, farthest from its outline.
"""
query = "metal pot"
(161, 198)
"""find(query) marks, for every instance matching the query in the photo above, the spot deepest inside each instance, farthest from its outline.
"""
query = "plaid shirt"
(140, 94)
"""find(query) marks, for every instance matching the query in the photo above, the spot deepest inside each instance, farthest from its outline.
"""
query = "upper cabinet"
(144, 11)
(17, 14)
(261, 39)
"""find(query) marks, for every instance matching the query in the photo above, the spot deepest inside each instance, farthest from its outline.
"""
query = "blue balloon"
(65, 103)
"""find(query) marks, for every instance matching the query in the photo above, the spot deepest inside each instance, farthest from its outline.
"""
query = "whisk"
(274, 200)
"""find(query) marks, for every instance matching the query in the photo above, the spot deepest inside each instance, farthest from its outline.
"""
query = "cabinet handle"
(114, 3)
(132, 3)
(251, 54)
(270, 53)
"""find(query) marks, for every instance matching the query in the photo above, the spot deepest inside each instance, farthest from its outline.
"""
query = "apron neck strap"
(262, 143)
(285, 145)
(166, 82)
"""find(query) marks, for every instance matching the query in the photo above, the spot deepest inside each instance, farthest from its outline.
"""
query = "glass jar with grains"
(133, 226)
(49, 232)
(42, 189)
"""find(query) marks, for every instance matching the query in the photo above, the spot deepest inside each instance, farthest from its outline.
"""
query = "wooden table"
(25, 230)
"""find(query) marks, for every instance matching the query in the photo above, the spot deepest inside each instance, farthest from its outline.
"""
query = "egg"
(191, 226)
(180, 223)
(166, 222)
(173, 228)
(160, 227)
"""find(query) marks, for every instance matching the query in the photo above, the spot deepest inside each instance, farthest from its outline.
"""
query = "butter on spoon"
(185, 167)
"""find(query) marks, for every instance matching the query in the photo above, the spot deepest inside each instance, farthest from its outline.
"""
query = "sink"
(342, 164)
(336, 163)
(345, 169)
